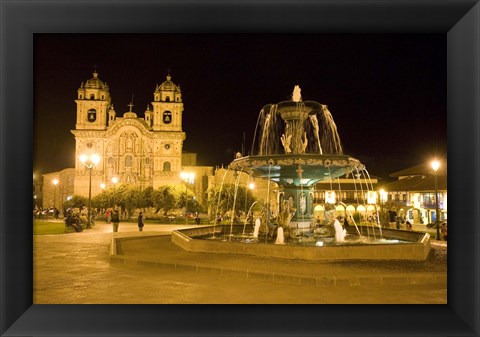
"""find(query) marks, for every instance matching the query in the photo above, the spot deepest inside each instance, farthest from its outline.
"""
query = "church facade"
(144, 152)
(138, 151)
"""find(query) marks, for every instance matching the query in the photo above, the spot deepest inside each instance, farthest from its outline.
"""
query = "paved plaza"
(77, 268)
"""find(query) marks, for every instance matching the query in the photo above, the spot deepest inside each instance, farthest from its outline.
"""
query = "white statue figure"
(340, 232)
(280, 237)
(296, 95)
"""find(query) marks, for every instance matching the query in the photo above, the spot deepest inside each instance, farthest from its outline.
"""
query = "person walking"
(140, 222)
(108, 215)
(115, 220)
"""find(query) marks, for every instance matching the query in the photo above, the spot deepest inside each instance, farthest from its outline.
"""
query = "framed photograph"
(457, 21)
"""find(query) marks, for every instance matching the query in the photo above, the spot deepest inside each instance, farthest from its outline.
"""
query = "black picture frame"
(460, 20)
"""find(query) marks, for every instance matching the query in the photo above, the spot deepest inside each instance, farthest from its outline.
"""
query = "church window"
(177, 99)
(166, 166)
(92, 96)
(81, 96)
(167, 117)
(167, 99)
(92, 115)
(128, 161)
(103, 97)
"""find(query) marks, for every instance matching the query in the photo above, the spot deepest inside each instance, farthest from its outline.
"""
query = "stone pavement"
(77, 268)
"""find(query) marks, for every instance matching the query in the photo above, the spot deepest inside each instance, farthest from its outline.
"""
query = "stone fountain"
(298, 147)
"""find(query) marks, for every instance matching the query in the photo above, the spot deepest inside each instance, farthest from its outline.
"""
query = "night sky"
(387, 93)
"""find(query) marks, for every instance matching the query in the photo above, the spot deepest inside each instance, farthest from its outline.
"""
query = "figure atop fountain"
(296, 95)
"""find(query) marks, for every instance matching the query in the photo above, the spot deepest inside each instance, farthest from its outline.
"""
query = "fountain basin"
(283, 168)
(416, 246)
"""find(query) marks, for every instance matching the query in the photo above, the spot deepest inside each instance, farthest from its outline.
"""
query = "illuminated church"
(142, 151)
(137, 151)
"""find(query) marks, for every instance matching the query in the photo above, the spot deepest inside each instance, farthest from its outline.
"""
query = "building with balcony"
(349, 195)
(412, 195)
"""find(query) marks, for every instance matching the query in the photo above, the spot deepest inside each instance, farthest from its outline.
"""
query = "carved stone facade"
(141, 151)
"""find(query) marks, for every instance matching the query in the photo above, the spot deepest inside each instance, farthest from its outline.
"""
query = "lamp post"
(114, 182)
(435, 167)
(188, 178)
(90, 161)
(55, 183)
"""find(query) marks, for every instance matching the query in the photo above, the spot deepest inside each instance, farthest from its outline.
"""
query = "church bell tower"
(167, 107)
(93, 102)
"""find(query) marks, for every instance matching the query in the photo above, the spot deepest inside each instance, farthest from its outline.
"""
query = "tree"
(128, 197)
(103, 200)
(166, 198)
(146, 197)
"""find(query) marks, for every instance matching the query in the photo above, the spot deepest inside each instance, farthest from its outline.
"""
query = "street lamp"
(114, 182)
(188, 178)
(435, 167)
(55, 183)
(102, 186)
(90, 161)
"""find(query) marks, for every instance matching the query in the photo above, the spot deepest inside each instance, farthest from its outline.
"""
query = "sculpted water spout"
(296, 95)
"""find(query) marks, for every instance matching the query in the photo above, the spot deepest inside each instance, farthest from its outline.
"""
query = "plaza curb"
(275, 277)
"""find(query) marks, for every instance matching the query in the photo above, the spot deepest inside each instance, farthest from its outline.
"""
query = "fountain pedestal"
(301, 199)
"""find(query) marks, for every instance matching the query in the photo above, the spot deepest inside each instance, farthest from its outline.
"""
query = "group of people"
(73, 220)
(40, 213)
(113, 216)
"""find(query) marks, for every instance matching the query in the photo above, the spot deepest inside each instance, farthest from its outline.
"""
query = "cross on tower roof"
(131, 104)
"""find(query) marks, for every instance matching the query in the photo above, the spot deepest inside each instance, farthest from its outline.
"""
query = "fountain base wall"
(417, 249)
